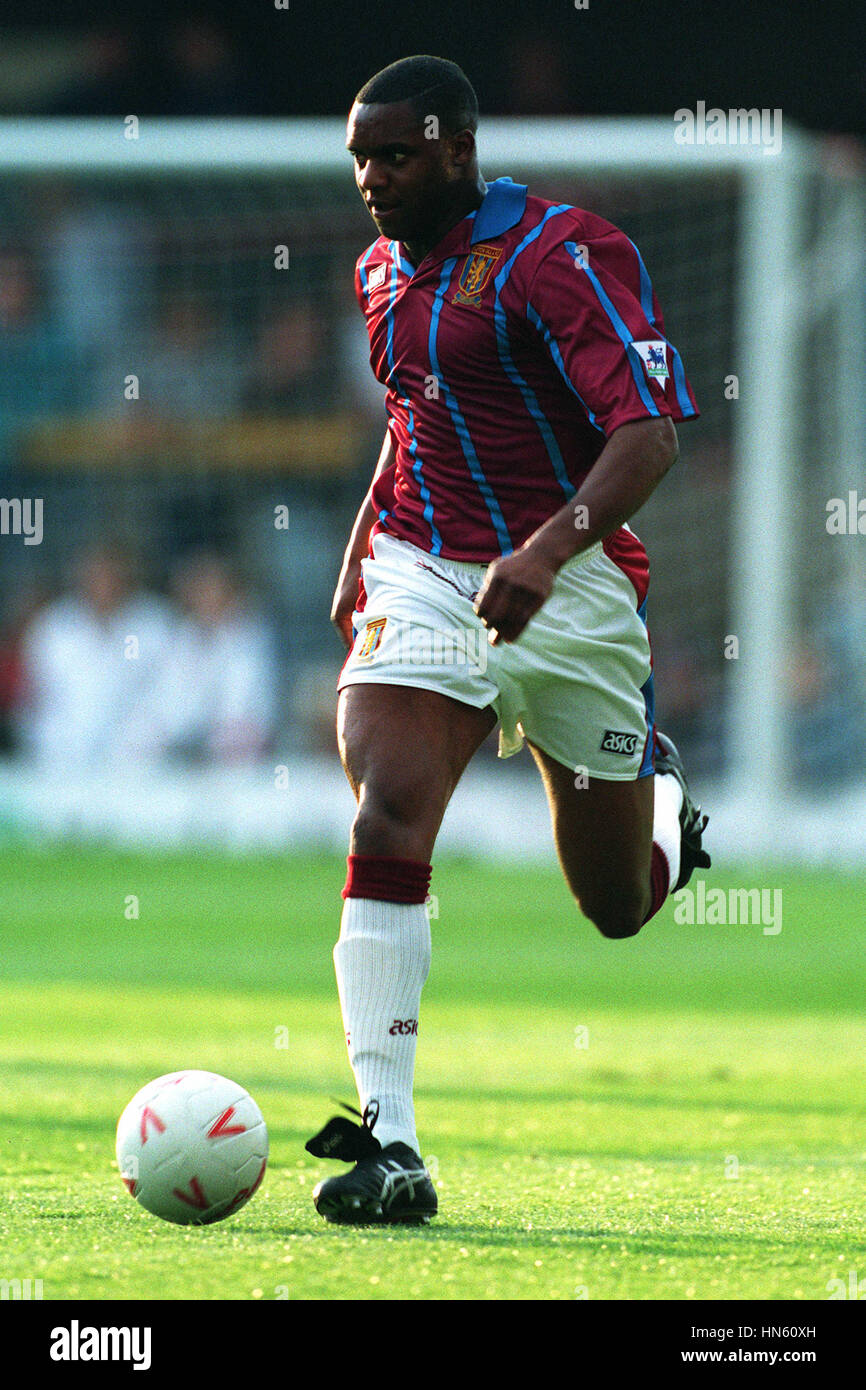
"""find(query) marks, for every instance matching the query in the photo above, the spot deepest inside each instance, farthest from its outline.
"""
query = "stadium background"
(255, 394)
(675, 1117)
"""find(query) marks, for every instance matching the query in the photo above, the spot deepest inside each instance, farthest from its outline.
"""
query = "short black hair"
(433, 86)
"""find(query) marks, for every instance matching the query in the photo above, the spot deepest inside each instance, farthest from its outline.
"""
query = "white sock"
(666, 821)
(382, 959)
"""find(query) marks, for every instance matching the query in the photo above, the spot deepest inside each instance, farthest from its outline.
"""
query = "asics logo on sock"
(403, 1027)
(614, 742)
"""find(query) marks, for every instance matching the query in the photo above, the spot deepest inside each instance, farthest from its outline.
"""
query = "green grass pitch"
(678, 1116)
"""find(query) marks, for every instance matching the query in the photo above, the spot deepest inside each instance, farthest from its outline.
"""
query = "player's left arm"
(629, 468)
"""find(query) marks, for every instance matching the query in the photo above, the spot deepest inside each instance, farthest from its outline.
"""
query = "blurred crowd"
(82, 307)
(197, 64)
(98, 667)
(110, 674)
(191, 66)
(286, 58)
(173, 280)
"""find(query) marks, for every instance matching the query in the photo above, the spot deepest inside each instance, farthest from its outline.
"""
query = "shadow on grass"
(653, 1096)
(685, 1244)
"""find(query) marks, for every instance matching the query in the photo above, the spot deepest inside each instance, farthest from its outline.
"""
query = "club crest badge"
(654, 356)
(477, 269)
(372, 639)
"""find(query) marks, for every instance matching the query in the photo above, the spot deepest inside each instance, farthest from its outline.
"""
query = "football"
(192, 1147)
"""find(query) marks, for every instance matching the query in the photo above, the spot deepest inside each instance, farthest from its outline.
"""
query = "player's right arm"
(346, 592)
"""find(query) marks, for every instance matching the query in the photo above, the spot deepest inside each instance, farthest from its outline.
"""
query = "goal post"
(766, 432)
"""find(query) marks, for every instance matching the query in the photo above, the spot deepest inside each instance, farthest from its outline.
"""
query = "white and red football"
(192, 1147)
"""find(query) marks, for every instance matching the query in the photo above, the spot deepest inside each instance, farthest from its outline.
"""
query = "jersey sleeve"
(360, 283)
(370, 262)
(593, 304)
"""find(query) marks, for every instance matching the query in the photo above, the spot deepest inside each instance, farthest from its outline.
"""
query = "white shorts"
(577, 682)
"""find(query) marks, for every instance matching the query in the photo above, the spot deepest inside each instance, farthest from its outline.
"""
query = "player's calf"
(603, 836)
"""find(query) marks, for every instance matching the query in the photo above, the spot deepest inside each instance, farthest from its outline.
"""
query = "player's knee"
(617, 926)
(387, 821)
(616, 918)
(375, 827)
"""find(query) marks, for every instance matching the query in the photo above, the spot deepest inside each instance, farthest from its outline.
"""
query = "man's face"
(401, 175)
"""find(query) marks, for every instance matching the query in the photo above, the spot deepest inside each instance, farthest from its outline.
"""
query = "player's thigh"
(603, 832)
(404, 750)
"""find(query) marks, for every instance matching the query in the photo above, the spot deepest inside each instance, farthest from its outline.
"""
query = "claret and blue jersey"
(511, 352)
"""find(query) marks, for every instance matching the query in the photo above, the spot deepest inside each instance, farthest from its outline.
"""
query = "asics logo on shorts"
(613, 742)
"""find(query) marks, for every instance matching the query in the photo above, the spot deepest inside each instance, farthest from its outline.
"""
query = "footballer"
(531, 401)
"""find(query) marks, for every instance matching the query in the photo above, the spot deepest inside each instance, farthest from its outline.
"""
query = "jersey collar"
(503, 206)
